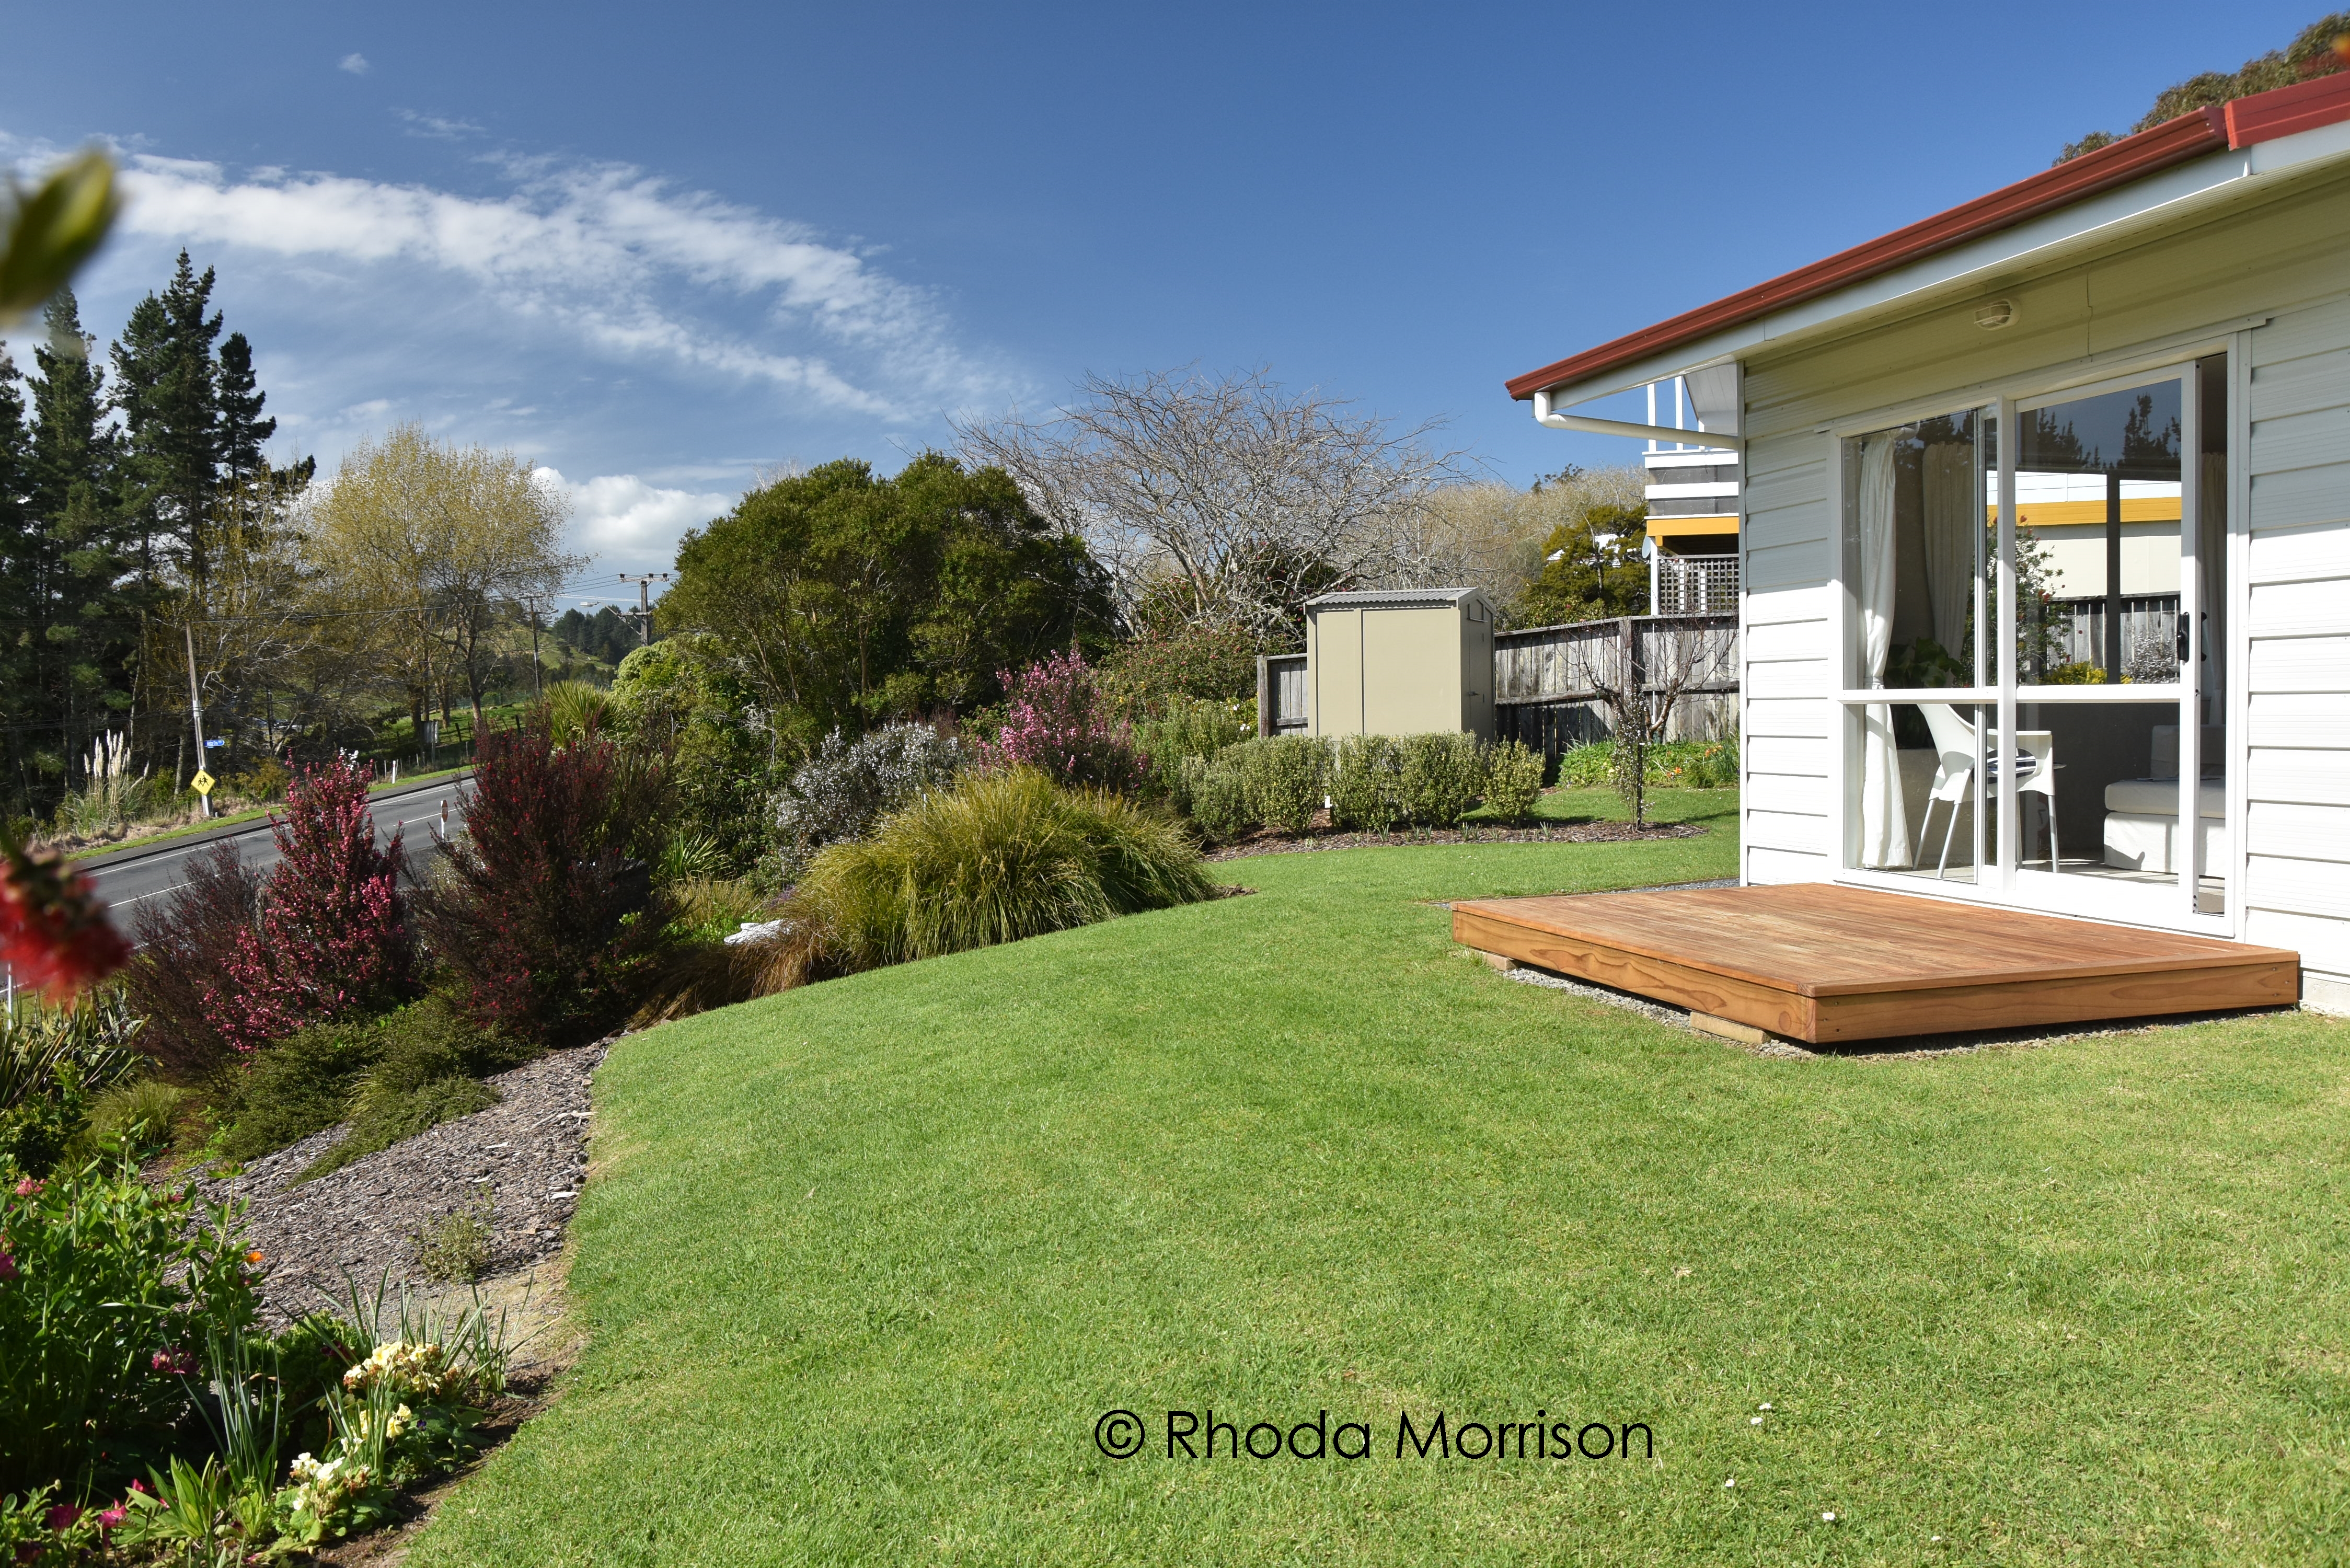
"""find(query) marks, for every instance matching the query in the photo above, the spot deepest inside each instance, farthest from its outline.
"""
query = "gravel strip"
(526, 1155)
(1902, 1048)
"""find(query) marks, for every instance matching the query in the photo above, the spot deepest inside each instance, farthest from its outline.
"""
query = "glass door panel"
(2112, 557)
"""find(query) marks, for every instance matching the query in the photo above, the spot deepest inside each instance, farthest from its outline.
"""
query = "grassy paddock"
(863, 1263)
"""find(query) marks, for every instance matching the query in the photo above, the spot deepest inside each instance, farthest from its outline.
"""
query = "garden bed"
(1266, 841)
(518, 1164)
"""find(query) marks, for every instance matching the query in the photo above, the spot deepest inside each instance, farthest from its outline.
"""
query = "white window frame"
(2010, 885)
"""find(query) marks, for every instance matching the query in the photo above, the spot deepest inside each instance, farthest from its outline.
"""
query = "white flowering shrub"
(840, 793)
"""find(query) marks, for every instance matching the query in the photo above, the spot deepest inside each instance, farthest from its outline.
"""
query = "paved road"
(128, 878)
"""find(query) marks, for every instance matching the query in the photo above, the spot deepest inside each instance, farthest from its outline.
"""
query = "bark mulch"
(519, 1163)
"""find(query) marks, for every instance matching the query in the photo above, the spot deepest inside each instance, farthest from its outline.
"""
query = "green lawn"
(863, 1264)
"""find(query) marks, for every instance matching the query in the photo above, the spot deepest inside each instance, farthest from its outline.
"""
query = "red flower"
(30, 1188)
(62, 1516)
(53, 931)
(175, 1361)
(108, 1518)
(8, 1265)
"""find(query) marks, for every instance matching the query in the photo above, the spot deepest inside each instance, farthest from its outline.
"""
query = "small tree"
(333, 936)
(1639, 677)
(1592, 568)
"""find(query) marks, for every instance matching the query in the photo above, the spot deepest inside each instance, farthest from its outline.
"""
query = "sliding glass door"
(2069, 757)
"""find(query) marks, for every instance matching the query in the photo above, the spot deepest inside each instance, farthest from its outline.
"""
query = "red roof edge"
(2305, 106)
(2264, 117)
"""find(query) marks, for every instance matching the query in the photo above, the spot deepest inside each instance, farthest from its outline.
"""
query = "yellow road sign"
(202, 783)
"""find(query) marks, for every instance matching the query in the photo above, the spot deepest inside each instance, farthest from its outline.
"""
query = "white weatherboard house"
(2044, 538)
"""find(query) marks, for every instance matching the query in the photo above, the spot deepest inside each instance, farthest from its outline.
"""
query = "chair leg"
(1948, 828)
(2056, 849)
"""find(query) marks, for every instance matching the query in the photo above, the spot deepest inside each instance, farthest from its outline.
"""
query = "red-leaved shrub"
(238, 958)
(333, 936)
(1057, 721)
(185, 944)
(533, 917)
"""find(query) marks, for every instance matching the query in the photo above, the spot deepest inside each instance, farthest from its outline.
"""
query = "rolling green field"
(864, 1265)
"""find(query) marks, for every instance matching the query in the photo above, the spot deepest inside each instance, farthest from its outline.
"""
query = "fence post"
(1265, 714)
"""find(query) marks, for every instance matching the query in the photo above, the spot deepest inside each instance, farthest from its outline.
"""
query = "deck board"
(1821, 964)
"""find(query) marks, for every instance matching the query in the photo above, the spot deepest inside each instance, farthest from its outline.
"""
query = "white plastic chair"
(1954, 773)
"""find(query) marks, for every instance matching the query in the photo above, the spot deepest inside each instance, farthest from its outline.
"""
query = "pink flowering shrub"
(1058, 721)
(333, 936)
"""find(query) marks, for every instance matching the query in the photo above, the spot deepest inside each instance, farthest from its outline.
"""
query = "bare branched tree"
(1640, 676)
(1490, 536)
(1227, 499)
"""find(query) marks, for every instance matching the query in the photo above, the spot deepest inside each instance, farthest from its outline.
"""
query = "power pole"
(532, 602)
(196, 711)
(644, 601)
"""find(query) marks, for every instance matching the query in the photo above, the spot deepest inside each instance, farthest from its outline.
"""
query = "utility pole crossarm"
(644, 581)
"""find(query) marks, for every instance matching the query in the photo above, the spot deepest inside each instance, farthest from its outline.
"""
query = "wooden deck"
(1821, 964)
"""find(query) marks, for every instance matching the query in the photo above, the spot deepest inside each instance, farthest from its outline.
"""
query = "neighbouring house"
(1692, 495)
(2068, 464)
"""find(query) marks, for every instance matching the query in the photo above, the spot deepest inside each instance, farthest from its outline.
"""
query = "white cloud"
(612, 258)
(626, 523)
(435, 127)
(355, 63)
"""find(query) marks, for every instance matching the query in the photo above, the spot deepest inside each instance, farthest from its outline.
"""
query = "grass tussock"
(720, 974)
(998, 857)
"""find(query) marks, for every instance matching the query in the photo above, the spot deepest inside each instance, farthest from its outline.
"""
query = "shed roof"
(1392, 598)
(2244, 122)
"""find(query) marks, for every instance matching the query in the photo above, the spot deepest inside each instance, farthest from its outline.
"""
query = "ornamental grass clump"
(998, 857)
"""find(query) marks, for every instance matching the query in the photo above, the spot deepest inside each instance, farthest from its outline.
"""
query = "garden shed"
(1401, 662)
(2045, 543)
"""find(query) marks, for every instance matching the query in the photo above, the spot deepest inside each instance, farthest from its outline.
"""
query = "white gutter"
(1704, 440)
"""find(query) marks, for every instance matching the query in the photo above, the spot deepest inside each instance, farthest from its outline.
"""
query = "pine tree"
(80, 615)
(241, 428)
(169, 394)
(17, 706)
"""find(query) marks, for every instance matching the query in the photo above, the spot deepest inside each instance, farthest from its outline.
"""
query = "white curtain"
(1883, 819)
(1950, 523)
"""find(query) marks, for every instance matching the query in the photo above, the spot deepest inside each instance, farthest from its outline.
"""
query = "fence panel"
(1546, 679)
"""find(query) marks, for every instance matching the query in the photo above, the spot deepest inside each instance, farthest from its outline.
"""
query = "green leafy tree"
(682, 698)
(841, 598)
(2320, 49)
(1592, 568)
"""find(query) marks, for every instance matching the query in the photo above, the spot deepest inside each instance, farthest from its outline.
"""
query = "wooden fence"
(1547, 678)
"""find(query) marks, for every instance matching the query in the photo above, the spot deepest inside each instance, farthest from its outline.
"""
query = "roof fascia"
(2038, 245)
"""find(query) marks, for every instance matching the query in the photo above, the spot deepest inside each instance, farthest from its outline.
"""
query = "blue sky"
(661, 250)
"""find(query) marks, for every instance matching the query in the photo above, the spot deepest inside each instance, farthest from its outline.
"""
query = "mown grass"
(863, 1263)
